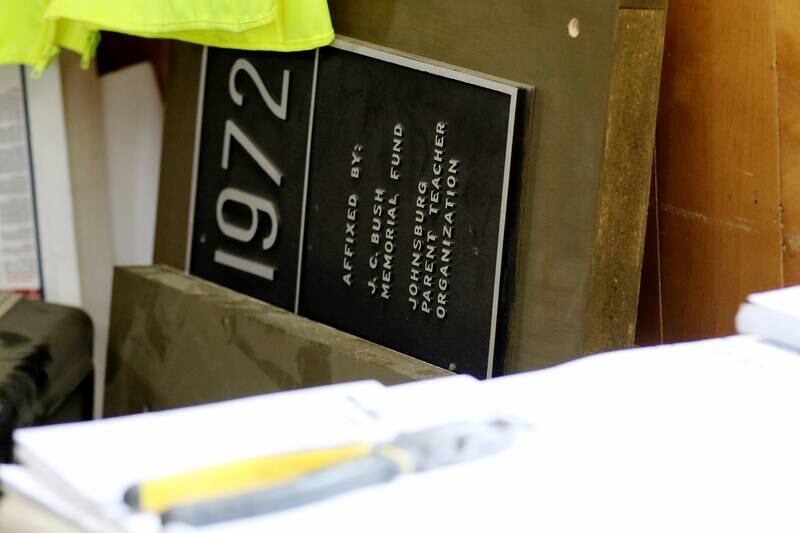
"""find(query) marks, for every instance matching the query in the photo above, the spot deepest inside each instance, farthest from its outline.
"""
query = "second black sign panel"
(402, 224)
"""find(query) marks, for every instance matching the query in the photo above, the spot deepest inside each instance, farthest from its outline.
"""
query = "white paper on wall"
(19, 248)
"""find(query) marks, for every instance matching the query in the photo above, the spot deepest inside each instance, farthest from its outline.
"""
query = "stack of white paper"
(773, 316)
(695, 437)
(87, 467)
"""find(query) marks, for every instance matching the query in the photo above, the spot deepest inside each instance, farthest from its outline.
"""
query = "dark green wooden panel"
(566, 298)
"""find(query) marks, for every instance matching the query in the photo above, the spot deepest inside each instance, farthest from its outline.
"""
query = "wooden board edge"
(615, 271)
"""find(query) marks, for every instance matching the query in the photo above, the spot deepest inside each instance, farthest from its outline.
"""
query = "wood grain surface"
(788, 61)
(728, 169)
(623, 202)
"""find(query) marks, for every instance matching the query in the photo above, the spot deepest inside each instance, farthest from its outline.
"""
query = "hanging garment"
(27, 38)
(32, 31)
(283, 25)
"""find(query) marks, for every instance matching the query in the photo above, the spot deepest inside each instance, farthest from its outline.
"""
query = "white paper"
(19, 249)
(18, 480)
(92, 464)
(694, 437)
(786, 300)
(20, 514)
(422, 404)
(773, 315)
(54, 205)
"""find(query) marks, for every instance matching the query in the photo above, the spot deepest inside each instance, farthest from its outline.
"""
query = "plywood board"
(719, 211)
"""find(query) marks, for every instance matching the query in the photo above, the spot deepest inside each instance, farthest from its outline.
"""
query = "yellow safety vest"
(33, 31)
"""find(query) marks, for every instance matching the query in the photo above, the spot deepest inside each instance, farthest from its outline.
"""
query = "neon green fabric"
(25, 37)
(78, 38)
(283, 25)
(32, 31)
(157, 17)
(298, 25)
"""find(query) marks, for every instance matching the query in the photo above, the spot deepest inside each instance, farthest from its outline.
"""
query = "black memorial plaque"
(395, 183)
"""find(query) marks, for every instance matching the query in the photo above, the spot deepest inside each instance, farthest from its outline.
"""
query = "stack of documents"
(695, 437)
(773, 316)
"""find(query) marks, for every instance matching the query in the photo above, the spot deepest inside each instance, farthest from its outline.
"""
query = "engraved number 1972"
(254, 203)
